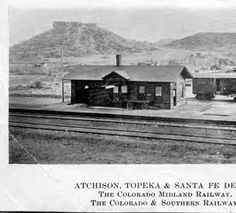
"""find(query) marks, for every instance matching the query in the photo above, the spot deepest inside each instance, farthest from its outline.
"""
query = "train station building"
(145, 86)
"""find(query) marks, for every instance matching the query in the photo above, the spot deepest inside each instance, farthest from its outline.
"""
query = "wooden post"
(62, 90)
(62, 75)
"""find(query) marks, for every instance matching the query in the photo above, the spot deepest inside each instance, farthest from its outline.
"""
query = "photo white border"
(51, 187)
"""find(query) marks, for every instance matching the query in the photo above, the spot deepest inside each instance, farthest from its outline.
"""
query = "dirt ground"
(24, 74)
(75, 148)
(209, 110)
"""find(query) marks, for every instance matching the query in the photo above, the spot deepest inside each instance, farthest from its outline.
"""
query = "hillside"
(163, 42)
(205, 41)
(78, 39)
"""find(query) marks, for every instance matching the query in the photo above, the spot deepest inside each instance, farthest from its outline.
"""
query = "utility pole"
(62, 74)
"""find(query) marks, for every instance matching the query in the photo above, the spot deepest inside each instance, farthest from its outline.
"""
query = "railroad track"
(122, 116)
(114, 121)
(94, 126)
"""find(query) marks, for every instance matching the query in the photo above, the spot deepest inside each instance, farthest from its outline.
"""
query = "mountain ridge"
(82, 39)
(205, 41)
(77, 39)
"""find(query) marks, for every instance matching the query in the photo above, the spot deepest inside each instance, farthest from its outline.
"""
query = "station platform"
(192, 110)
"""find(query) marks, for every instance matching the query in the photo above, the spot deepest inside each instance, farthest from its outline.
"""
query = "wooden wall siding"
(157, 101)
(150, 92)
(133, 91)
(72, 99)
(163, 101)
(96, 95)
(78, 92)
(76, 88)
(99, 97)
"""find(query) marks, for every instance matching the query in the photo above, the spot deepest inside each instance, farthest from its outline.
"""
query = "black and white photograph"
(118, 106)
(117, 85)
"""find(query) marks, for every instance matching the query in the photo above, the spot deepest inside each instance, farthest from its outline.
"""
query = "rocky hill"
(78, 39)
(205, 41)
(163, 42)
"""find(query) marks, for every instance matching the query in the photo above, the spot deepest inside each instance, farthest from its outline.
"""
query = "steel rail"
(120, 129)
(125, 133)
(125, 116)
(147, 123)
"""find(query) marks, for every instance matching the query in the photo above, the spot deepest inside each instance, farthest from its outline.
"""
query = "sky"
(139, 23)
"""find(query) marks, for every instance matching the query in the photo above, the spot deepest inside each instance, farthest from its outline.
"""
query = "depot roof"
(130, 72)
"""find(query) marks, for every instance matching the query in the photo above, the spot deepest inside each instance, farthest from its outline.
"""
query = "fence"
(39, 95)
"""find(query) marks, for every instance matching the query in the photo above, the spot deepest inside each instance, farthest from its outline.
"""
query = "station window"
(141, 89)
(116, 89)
(174, 92)
(158, 91)
(124, 89)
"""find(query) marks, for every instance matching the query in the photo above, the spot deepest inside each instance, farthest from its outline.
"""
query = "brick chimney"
(118, 60)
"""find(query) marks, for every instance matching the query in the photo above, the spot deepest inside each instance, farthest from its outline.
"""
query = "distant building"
(121, 86)
(208, 84)
(214, 67)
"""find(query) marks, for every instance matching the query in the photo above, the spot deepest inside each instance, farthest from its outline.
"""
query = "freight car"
(206, 86)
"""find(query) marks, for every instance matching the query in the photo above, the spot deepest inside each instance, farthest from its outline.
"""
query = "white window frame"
(158, 91)
(124, 89)
(116, 90)
(143, 91)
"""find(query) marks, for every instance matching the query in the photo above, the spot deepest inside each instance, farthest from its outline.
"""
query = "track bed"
(39, 130)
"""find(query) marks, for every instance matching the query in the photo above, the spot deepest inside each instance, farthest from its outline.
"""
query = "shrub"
(38, 84)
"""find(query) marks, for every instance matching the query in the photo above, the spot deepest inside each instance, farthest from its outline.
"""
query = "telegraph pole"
(62, 74)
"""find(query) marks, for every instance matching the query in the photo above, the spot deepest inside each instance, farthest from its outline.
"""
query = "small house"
(157, 87)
